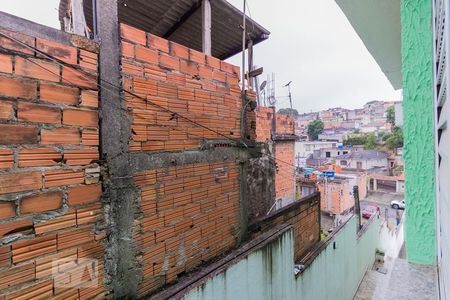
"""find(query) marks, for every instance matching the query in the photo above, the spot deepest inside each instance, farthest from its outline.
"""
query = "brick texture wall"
(183, 80)
(304, 216)
(50, 205)
(190, 215)
(190, 212)
(284, 180)
(284, 124)
(264, 118)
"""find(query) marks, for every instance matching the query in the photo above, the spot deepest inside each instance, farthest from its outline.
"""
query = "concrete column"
(120, 194)
(206, 27)
(375, 185)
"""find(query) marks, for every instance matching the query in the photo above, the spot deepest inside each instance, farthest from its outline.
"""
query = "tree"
(371, 141)
(314, 129)
(390, 115)
(395, 139)
(288, 111)
(355, 139)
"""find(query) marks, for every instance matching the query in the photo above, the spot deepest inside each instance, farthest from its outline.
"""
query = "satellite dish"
(263, 85)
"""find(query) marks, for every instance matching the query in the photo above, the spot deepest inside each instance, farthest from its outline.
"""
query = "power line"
(62, 63)
(174, 114)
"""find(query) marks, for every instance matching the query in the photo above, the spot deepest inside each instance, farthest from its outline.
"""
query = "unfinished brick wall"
(304, 216)
(190, 215)
(189, 212)
(284, 124)
(264, 118)
(50, 205)
(186, 82)
(284, 180)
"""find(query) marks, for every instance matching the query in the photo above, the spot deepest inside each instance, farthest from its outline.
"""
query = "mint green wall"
(269, 272)
(418, 130)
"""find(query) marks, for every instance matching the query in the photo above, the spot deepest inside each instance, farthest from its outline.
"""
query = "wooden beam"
(183, 19)
(206, 27)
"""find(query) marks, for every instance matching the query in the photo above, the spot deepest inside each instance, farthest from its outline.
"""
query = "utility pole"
(288, 85)
(357, 206)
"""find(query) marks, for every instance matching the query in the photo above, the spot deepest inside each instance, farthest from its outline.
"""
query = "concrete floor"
(402, 281)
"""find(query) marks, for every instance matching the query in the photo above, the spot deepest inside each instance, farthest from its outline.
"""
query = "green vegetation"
(390, 115)
(355, 139)
(394, 139)
(314, 129)
(288, 111)
(371, 141)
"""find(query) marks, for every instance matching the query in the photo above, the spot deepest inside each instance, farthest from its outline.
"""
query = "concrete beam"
(120, 196)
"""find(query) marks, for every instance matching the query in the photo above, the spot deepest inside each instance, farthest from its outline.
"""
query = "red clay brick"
(127, 49)
(169, 61)
(58, 223)
(37, 68)
(59, 94)
(84, 194)
(6, 158)
(12, 45)
(20, 88)
(7, 209)
(35, 113)
(133, 34)
(75, 238)
(80, 117)
(31, 248)
(88, 60)
(38, 157)
(5, 63)
(16, 226)
(60, 51)
(189, 67)
(90, 137)
(17, 275)
(79, 78)
(19, 182)
(80, 157)
(6, 110)
(89, 98)
(197, 56)
(41, 202)
(146, 55)
(157, 42)
(213, 62)
(54, 178)
(144, 86)
(18, 134)
(179, 50)
(60, 136)
(41, 290)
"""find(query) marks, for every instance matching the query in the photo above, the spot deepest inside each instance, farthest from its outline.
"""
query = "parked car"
(370, 210)
(398, 204)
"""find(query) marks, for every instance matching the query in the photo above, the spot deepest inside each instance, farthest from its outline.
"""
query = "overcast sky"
(311, 43)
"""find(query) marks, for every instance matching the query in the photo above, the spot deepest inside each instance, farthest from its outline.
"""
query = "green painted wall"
(417, 69)
(269, 272)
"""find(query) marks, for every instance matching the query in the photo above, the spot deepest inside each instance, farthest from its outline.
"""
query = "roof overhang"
(378, 24)
(181, 21)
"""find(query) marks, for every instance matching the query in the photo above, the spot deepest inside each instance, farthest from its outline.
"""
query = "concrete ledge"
(194, 280)
(23, 26)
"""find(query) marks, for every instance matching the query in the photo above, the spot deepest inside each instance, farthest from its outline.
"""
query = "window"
(345, 152)
(343, 162)
(359, 164)
(328, 154)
